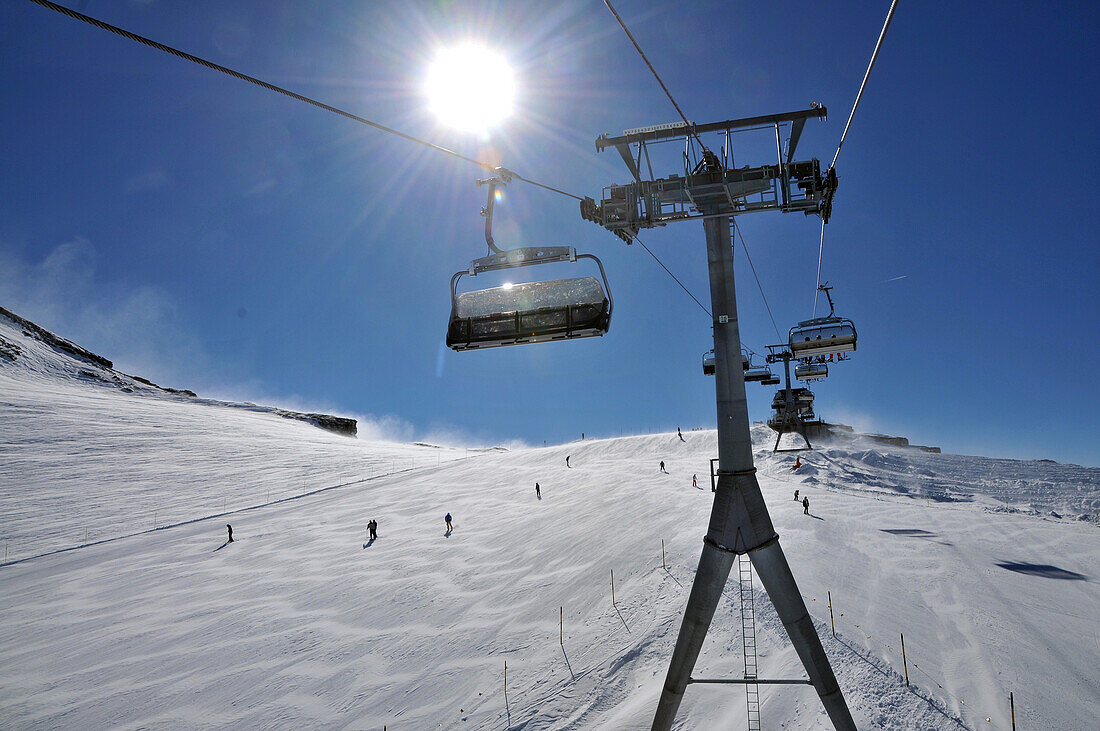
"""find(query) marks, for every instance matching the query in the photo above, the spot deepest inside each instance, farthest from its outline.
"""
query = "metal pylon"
(748, 635)
(739, 520)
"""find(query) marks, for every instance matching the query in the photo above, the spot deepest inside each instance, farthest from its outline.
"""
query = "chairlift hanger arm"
(504, 177)
(826, 289)
(685, 130)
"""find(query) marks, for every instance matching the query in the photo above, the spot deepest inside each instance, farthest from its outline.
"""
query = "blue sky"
(212, 235)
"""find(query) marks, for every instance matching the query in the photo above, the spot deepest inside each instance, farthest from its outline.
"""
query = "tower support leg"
(739, 521)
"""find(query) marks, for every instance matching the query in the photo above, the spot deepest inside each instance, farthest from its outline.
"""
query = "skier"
(582, 436)
(230, 528)
(538, 492)
(450, 527)
(567, 460)
(679, 434)
(372, 527)
(694, 482)
(805, 506)
(796, 496)
(662, 468)
(797, 463)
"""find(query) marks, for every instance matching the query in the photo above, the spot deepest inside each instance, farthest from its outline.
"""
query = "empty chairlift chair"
(560, 309)
(708, 363)
(763, 374)
(801, 397)
(811, 371)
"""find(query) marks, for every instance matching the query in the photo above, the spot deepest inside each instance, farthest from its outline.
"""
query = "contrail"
(903, 276)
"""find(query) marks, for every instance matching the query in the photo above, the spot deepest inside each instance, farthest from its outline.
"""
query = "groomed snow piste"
(301, 623)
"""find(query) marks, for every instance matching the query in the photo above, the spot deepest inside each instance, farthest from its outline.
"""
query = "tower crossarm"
(798, 186)
(711, 185)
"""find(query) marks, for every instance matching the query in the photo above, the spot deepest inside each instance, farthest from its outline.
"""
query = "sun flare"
(470, 87)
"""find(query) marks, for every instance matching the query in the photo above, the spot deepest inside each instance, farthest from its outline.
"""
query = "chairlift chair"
(822, 335)
(530, 312)
(708, 363)
(811, 371)
(560, 309)
(800, 396)
(770, 381)
(763, 374)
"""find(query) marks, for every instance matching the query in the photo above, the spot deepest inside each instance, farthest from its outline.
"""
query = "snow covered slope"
(301, 623)
(88, 453)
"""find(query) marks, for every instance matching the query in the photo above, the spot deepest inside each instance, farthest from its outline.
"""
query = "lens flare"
(470, 88)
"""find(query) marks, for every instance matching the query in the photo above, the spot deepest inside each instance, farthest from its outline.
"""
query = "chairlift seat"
(763, 375)
(800, 396)
(560, 309)
(770, 381)
(821, 336)
(811, 371)
(708, 363)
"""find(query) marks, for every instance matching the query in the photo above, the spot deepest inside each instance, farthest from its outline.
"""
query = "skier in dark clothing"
(679, 434)
(796, 496)
(538, 492)
(567, 460)
(662, 468)
(805, 506)
(230, 528)
(372, 527)
(448, 521)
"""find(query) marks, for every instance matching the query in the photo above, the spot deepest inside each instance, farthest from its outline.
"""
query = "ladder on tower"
(748, 634)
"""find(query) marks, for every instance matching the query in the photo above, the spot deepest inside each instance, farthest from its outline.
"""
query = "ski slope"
(300, 623)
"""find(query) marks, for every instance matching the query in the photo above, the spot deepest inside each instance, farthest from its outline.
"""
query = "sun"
(470, 87)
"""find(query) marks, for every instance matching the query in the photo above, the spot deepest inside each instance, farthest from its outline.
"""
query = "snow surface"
(302, 623)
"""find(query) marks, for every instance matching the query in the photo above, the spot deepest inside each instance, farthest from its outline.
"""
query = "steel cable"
(871, 65)
(278, 89)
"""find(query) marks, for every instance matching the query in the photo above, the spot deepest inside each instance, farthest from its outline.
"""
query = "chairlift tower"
(796, 405)
(713, 189)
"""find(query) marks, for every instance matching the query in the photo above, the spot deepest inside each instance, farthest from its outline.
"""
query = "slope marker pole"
(561, 625)
(831, 621)
(1012, 706)
(663, 555)
(612, 587)
(903, 663)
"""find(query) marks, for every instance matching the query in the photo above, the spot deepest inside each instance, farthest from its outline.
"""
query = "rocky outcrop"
(845, 431)
(55, 341)
(97, 369)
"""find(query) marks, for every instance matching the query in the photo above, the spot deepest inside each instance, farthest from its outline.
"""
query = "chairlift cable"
(654, 71)
(874, 57)
(758, 285)
(286, 92)
(820, 248)
(689, 294)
